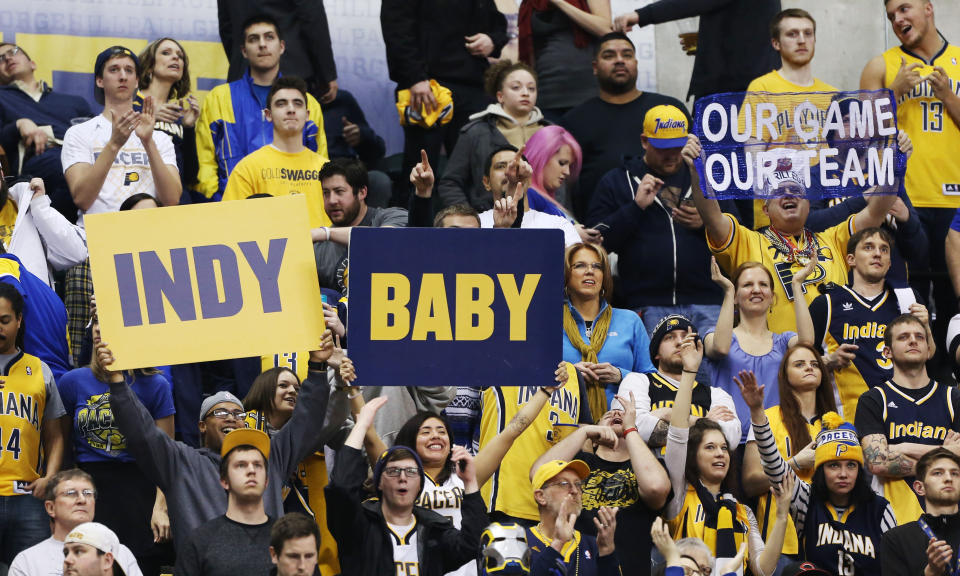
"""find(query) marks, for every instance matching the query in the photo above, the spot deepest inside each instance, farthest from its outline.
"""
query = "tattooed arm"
(884, 460)
(658, 437)
(488, 459)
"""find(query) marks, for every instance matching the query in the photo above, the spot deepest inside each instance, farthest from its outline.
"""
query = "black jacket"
(733, 46)
(904, 548)
(303, 28)
(362, 535)
(425, 39)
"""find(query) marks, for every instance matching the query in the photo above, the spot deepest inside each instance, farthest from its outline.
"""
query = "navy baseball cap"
(104, 57)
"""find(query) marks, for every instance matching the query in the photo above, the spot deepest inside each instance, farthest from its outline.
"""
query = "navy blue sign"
(432, 307)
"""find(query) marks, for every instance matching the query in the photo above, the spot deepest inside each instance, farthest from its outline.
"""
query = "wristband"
(685, 371)
(629, 430)
(545, 391)
(359, 392)
(327, 230)
(319, 366)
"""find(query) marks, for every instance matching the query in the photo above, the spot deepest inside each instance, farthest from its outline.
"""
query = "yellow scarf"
(596, 395)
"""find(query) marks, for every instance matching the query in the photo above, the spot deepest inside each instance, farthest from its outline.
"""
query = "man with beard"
(923, 73)
(556, 547)
(787, 245)
(907, 416)
(344, 182)
(655, 393)
(849, 321)
(937, 531)
(606, 126)
(618, 458)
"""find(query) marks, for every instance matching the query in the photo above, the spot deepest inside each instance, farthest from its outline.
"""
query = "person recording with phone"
(646, 202)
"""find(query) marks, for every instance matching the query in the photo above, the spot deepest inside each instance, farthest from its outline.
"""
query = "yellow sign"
(205, 281)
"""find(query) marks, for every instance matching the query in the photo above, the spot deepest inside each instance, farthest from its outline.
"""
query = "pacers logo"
(131, 178)
(95, 424)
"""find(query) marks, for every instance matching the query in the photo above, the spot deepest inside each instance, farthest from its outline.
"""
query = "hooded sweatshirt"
(488, 130)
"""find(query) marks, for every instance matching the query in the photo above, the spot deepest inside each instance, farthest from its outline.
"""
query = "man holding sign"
(786, 245)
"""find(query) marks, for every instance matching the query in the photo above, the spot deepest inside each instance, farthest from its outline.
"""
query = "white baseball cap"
(95, 534)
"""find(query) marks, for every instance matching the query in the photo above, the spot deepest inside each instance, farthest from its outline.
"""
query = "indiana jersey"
(406, 558)
(509, 489)
(916, 416)
(446, 499)
(933, 180)
(745, 245)
(774, 82)
(843, 316)
(766, 504)
(23, 399)
(846, 543)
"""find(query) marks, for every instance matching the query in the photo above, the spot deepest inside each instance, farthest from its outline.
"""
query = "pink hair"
(543, 145)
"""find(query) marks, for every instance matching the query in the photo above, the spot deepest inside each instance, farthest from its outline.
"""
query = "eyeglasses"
(10, 54)
(394, 472)
(698, 571)
(223, 414)
(566, 485)
(580, 266)
(74, 494)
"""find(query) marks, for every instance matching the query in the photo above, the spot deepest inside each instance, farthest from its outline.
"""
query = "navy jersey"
(663, 394)
(921, 416)
(847, 544)
(840, 316)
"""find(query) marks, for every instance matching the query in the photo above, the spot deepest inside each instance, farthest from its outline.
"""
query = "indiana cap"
(666, 126)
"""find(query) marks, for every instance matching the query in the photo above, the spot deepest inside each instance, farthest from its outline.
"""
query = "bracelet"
(319, 366)
(359, 392)
(545, 391)
(327, 230)
(685, 371)
(629, 430)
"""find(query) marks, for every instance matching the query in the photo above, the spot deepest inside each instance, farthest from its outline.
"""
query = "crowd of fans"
(751, 386)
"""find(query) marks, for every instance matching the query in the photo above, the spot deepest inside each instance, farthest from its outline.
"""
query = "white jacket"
(41, 235)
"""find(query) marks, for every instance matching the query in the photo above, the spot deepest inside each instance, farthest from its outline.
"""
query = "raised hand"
(801, 275)
(144, 125)
(505, 209)
(660, 534)
(121, 128)
(784, 495)
(190, 112)
(625, 22)
(326, 348)
(691, 351)
(907, 77)
(464, 464)
(841, 357)
(691, 151)
(347, 372)
(606, 523)
(751, 391)
(602, 435)
(718, 278)
(647, 190)
(351, 132)
(806, 458)
(905, 143)
(629, 410)
(563, 528)
(518, 170)
(736, 562)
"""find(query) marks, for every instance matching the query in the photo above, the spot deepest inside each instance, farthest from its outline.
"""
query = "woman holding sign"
(603, 342)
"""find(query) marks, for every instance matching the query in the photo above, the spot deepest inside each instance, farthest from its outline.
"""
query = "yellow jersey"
(766, 504)
(933, 176)
(773, 82)
(23, 400)
(509, 489)
(8, 218)
(271, 171)
(746, 245)
(692, 522)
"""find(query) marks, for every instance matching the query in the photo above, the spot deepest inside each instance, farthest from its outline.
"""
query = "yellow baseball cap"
(665, 126)
(550, 469)
(246, 437)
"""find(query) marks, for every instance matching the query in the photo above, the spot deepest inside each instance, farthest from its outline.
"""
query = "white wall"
(849, 33)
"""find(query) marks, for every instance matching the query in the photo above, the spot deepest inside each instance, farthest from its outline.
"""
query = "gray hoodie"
(190, 477)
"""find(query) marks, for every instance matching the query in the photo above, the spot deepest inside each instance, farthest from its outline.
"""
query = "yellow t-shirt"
(746, 245)
(774, 82)
(933, 175)
(8, 217)
(270, 171)
(766, 504)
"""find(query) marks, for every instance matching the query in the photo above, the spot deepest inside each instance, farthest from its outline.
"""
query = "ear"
(273, 555)
(850, 258)
(224, 484)
(243, 50)
(362, 194)
(283, 47)
(48, 506)
(539, 497)
(775, 42)
(766, 209)
(99, 81)
(486, 183)
(593, 64)
(919, 488)
(887, 352)
(269, 115)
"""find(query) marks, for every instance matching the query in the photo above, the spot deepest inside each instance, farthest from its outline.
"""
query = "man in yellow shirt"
(285, 166)
(793, 33)
(786, 245)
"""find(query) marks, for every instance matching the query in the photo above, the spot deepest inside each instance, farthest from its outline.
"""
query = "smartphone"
(601, 227)
(323, 298)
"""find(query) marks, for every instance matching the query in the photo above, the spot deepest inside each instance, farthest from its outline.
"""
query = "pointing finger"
(424, 159)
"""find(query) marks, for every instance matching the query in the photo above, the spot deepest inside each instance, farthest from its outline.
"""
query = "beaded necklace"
(786, 246)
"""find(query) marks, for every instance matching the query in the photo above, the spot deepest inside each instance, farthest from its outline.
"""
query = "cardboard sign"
(205, 281)
(445, 307)
(818, 144)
